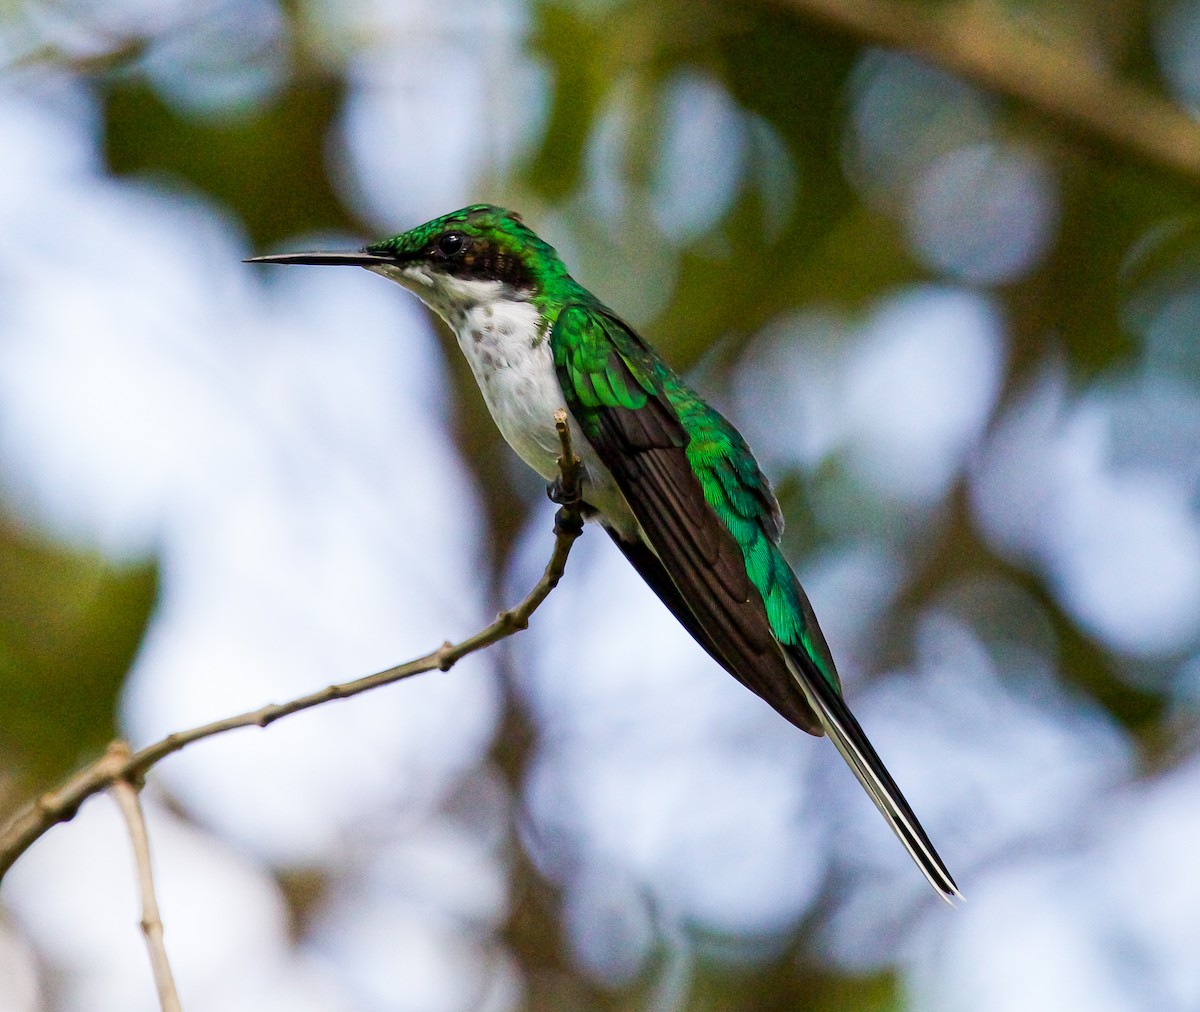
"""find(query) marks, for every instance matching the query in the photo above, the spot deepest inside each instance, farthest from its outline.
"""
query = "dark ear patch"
(491, 262)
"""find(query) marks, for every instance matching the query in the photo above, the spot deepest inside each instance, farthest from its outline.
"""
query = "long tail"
(850, 740)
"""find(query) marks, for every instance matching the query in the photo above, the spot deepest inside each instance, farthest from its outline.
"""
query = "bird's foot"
(559, 495)
(568, 522)
(569, 518)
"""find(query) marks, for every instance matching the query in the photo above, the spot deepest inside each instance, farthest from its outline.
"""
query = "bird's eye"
(451, 243)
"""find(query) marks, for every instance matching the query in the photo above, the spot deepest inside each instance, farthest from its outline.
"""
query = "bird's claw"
(559, 495)
(569, 519)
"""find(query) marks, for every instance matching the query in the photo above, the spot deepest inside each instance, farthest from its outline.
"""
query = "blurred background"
(952, 301)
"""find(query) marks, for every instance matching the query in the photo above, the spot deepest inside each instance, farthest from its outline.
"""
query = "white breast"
(511, 360)
(509, 354)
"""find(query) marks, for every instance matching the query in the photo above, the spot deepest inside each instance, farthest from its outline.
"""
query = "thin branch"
(130, 803)
(977, 41)
(61, 804)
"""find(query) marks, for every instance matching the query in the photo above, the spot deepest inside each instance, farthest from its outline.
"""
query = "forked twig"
(61, 804)
(129, 801)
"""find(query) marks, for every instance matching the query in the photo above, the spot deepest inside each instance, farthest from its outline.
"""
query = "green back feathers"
(740, 494)
(604, 366)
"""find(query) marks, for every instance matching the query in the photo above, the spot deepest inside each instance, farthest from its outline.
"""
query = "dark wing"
(691, 560)
(650, 569)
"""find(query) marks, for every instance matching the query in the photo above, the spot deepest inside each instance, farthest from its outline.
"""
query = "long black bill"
(351, 258)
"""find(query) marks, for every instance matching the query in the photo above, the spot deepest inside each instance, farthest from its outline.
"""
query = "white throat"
(446, 295)
(504, 339)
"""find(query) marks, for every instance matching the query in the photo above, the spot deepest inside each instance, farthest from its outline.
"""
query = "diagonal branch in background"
(977, 41)
(115, 766)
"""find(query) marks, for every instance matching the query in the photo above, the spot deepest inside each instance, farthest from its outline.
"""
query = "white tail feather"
(860, 756)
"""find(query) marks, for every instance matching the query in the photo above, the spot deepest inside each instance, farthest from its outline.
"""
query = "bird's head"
(478, 254)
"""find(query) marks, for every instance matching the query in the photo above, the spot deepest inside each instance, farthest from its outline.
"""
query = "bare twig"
(61, 804)
(977, 41)
(129, 801)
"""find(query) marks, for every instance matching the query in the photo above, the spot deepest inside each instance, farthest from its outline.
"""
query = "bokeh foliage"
(70, 624)
(70, 621)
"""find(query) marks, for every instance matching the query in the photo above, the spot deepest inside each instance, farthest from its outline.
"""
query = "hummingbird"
(670, 480)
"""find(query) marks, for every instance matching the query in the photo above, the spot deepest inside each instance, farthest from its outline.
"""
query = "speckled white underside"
(508, 348)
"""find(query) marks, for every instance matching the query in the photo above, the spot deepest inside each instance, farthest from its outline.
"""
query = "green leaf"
(70, 626)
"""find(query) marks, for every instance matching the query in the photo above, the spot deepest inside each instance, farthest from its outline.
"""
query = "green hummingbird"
(668, 477)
